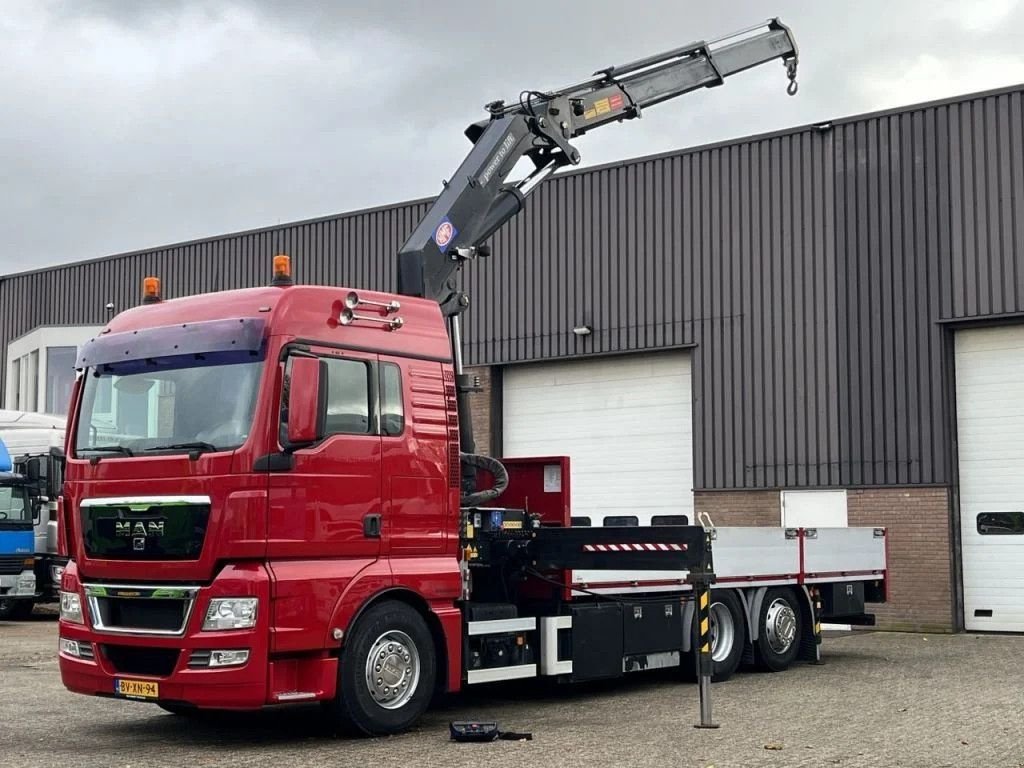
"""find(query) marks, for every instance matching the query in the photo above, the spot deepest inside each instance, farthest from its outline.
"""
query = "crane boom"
(476, 201)
(539, 126)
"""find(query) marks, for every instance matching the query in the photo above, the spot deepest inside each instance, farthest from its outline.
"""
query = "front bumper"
(21, 585)
(165, 659)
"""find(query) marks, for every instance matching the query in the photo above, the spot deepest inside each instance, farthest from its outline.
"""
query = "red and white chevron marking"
(634, 547)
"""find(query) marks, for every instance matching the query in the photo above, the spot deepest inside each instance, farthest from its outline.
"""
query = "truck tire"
(386, 672)
(780, 627)
(728, 631)
(15, 610)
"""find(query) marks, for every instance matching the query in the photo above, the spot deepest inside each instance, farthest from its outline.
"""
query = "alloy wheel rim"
(392, 669)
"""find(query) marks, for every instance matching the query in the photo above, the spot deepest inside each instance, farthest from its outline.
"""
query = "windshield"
(14, 506)
(157, 407)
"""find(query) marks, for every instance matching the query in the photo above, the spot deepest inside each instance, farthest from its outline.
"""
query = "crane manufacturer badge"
(444, 233)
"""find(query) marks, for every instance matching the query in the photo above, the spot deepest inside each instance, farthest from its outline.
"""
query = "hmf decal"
(444, 233)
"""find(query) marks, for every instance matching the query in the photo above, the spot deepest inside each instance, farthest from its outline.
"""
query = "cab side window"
(348, 397)
(392, 412)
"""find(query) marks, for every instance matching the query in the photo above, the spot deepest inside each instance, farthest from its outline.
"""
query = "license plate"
(137, 689)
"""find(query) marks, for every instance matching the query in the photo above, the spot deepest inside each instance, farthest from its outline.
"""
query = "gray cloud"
(128, 125)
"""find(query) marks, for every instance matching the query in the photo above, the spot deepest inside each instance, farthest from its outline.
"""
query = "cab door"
(327, 504)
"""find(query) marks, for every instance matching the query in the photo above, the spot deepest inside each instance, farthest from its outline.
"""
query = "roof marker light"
(151, 290)
(282, 270)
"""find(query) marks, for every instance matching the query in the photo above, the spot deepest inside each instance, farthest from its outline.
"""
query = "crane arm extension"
(476, 202)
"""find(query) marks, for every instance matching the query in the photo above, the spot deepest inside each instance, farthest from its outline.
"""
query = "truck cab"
(17, 563)
(246, 470)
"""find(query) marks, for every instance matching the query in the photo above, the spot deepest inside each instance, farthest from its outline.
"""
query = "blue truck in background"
(17, 541)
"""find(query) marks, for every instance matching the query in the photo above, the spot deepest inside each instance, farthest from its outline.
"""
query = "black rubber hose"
(487, 464)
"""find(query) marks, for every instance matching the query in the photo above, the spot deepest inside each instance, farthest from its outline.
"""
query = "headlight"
(56, 573)
(231, 613)
(71, 607)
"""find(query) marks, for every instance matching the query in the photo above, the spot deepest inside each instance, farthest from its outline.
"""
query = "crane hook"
(791, 89)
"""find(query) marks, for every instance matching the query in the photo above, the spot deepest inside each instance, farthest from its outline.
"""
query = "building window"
(60, 378)
(1001, 523)
(670, 520)
(16, 385)
(622, 520)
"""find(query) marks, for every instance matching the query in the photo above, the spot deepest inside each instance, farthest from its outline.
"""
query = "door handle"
(371, 526)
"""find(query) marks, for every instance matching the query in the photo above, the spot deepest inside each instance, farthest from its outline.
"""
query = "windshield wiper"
(108, 449)
(195, 447)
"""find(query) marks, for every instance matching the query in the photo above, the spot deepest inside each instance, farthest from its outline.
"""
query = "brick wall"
(917, 519)
(920, 569)
(740, 507)
(480, 409)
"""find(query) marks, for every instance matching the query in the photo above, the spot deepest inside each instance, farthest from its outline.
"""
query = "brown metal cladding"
(815, 273)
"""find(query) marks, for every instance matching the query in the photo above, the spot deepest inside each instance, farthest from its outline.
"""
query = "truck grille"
(11, 565)
(132, 660)
(145, 528)
(140, 609)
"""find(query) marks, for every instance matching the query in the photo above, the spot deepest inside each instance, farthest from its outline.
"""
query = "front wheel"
(779, 630)
(387, 671)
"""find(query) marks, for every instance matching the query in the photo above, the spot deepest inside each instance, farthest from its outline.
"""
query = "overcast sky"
(128, 124)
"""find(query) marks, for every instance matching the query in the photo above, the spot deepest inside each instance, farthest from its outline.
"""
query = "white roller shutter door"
(990, 435)
(625, 422)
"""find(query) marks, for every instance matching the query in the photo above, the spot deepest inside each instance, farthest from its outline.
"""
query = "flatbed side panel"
(843, 551)
(750, 553)
(756, 553)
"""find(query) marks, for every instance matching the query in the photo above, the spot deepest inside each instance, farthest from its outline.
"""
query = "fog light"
(230, 658)
(70, 648)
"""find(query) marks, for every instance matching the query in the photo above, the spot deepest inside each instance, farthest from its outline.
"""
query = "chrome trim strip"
(501, 673)
(116, 500)
(495, 626)
(93, 592)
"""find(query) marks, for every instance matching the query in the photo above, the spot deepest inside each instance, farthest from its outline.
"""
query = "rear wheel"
(727, 629)
(779, 630)
(387, 671)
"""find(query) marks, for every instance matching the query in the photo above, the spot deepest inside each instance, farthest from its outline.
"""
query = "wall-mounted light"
(582, 330)
(109, 307)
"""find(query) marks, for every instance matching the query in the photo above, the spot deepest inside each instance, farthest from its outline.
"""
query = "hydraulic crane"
(476, 201)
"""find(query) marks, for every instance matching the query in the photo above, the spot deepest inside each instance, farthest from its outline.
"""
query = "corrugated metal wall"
(810, 270)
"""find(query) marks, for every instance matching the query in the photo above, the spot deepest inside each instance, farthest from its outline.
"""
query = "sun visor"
(239, 335)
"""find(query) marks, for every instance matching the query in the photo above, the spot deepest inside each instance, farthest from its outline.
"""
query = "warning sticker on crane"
(444, 233)
(604, 106)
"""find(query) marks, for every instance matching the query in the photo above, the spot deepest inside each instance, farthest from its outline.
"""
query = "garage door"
(990, 434)
(624, 422)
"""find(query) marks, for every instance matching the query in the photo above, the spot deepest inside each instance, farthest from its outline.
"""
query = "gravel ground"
(879, 700)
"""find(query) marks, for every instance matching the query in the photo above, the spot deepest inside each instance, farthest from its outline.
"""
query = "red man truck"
(272, 495)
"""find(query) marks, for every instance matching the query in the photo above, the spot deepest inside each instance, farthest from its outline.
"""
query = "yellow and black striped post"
(702, 589)
(704, 662)
(816, 619)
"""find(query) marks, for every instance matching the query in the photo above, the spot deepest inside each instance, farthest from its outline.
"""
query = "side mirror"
(35, 469)
(55, 482)
(306, 403)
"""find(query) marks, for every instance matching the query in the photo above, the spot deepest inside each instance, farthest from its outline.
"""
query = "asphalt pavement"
(880, 699)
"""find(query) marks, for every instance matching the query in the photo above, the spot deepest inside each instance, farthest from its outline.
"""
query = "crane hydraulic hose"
(487, 464)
